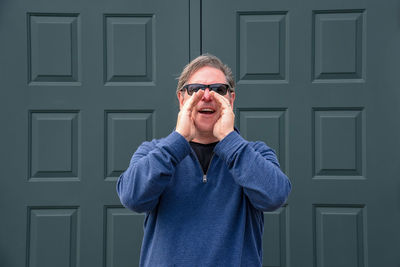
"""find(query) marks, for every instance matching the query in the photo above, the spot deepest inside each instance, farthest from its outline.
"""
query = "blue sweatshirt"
(203, 220)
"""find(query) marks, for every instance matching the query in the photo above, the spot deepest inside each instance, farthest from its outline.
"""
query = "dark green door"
(83, 83)
(319, 82)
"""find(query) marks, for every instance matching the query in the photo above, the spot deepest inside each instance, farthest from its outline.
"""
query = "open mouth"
(206, 111)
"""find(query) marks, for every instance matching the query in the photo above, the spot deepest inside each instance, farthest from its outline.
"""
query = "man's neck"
(205, 138)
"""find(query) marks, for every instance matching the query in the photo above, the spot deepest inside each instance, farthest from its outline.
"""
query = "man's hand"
(225, 123)
(185, 124)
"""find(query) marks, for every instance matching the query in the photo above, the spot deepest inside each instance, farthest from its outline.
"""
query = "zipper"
(205, 174)
(204, 178)
(201, 169)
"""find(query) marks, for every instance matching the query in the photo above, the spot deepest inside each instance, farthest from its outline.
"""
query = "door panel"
(316, 81)
(83, 84)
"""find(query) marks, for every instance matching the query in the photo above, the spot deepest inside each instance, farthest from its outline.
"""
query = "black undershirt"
(204, 153)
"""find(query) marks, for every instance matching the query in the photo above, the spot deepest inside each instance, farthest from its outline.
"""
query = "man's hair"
(205, 60)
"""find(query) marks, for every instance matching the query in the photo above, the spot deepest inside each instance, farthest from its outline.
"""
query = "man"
(203, 187)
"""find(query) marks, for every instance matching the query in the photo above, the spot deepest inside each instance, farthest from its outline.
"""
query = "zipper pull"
(204, 178)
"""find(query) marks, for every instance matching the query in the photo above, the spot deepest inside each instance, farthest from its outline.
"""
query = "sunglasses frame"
(209, 86)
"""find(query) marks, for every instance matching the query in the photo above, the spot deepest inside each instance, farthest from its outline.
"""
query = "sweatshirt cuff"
(229, 145)
(177, 145)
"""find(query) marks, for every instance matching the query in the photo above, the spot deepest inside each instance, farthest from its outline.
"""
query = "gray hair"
(205, 60)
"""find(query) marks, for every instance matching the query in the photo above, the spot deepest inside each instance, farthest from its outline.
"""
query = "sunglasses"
(219, 88)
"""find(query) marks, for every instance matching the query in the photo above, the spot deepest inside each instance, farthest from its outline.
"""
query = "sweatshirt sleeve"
(150, 171)
(254, 166)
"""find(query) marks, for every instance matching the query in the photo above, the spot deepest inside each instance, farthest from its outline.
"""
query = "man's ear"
(180, 96)
(232, 98)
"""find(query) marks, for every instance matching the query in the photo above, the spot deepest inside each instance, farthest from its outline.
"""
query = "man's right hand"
(185, 123)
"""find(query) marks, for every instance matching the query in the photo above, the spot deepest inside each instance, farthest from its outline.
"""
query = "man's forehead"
(207, 75)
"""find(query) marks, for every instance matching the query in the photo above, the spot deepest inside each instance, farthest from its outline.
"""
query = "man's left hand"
(225, 123)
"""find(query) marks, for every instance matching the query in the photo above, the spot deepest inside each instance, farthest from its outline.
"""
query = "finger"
(197, 97)
(222, 101)
(194, 99)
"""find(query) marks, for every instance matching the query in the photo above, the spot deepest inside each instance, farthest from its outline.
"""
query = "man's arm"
(153, 165)
(254, 166)
(150, 171)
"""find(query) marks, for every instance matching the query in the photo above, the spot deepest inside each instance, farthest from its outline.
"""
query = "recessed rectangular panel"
(124, 234)
(52, 237)
(338, 45)
(275, 237)
(338, 144)
(129, 47)
(261, 46)
(125, 132)
(339, 236)
(53, 42)
(53, 146)
(268, 126)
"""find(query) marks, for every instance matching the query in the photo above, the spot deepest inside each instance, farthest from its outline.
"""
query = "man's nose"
(207, 96)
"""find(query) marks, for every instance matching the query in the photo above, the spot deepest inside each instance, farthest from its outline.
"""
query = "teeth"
(207, 110)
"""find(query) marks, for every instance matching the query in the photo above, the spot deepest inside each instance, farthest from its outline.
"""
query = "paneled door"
(319, 82)
(83, 83)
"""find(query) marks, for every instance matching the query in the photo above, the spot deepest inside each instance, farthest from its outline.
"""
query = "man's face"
(207, 110)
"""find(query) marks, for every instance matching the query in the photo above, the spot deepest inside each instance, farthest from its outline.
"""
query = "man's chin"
(205, 130)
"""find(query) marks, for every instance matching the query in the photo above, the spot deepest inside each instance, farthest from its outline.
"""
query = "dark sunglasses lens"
(192, 88)
(219, 88)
